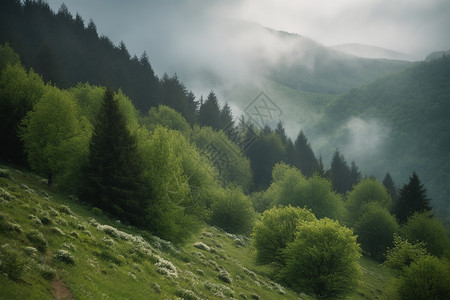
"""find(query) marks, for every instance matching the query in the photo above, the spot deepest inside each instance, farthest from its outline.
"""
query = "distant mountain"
(312, 67)
(399, 123)
(436, 55)
(369, 51)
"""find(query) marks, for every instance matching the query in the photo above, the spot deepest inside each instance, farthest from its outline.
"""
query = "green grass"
(114, 261)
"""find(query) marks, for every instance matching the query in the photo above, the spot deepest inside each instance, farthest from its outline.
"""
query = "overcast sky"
(415, 27)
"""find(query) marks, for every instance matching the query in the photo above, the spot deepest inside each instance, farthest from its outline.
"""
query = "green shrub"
(427, 278)
(232, 211)
(225, 276)
(97, 211)
(46, 220)
(422, 227)
(186, 294)
(375, 230)
(403, 254)
(47, 272)
(64, 256)
(275, 230)
(11, 263)
(38, 240)
(323, 259)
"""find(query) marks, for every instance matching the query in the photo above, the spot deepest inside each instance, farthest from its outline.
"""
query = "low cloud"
(365, 138)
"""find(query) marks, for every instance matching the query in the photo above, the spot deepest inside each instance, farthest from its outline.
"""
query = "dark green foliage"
(232, 211)
(12, 264)
(113, 173)
(375, 229)
(37, 239)
(427, 278)
(209, 112)
(412, 198)
(413, 106)
(342, 176)
(304, 158)
(66, 52)
(388, 183)
(19, 91)
(175, 95)
(264, 153)
(323, 259)
(276, 229)
(429, 230)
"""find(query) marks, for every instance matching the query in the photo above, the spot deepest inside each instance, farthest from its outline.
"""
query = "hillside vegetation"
(411, 109)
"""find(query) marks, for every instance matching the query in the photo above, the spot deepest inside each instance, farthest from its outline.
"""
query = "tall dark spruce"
(113, 172)
(412, 198)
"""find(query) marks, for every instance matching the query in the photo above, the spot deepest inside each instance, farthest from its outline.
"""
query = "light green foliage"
(275, 230)
(166, 117)
(290, 187)
(368, 190)
(403, 253)
(375, 229)
(8, 56)
(89, 99)
(427, 278)
(163, 172)
(201, 175)
(422, 227)
(232, 211)
(56, 137)
(19, 91)
(323, 259)
(225, 155)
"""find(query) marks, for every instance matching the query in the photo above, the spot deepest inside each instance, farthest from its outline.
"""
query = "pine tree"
(412, 198)
(388, 183)
(209, 113)
(355, 175)
(340, 173)
(305, 159)
(281, 132)
(114, 169)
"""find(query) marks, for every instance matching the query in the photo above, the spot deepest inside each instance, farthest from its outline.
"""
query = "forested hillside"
(413, 108)
(201, 197)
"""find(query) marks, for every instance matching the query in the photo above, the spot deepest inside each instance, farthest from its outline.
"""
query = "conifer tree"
(209, 113)
(340, 173)
(304, 159)
(388, 183)
(114, 169)
(412, 198)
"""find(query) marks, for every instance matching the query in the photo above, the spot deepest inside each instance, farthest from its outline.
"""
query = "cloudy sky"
(416, 27)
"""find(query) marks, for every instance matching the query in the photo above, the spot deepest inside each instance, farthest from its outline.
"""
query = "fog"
(175, 33)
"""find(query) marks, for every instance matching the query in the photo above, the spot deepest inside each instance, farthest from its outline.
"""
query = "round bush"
(232, 211)
(428, 278)
(275, 230)
(323, 259)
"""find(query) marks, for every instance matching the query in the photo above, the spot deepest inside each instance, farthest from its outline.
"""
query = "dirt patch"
(60, 291)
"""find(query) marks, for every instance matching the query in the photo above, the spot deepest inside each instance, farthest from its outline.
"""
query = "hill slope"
(53, 247)
(88, 255)
(399, 123)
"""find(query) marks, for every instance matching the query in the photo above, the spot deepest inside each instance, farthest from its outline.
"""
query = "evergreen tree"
(114, 168)
(412, 198)
(304, 158)
(388, 183)
(340, 173)
(281, 132)
(209, 113)
(355, 175)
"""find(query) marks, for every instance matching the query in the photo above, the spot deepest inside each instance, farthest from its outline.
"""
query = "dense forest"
(98, 123)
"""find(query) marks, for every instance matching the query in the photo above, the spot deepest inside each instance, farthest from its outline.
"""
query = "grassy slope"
(114, 262)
